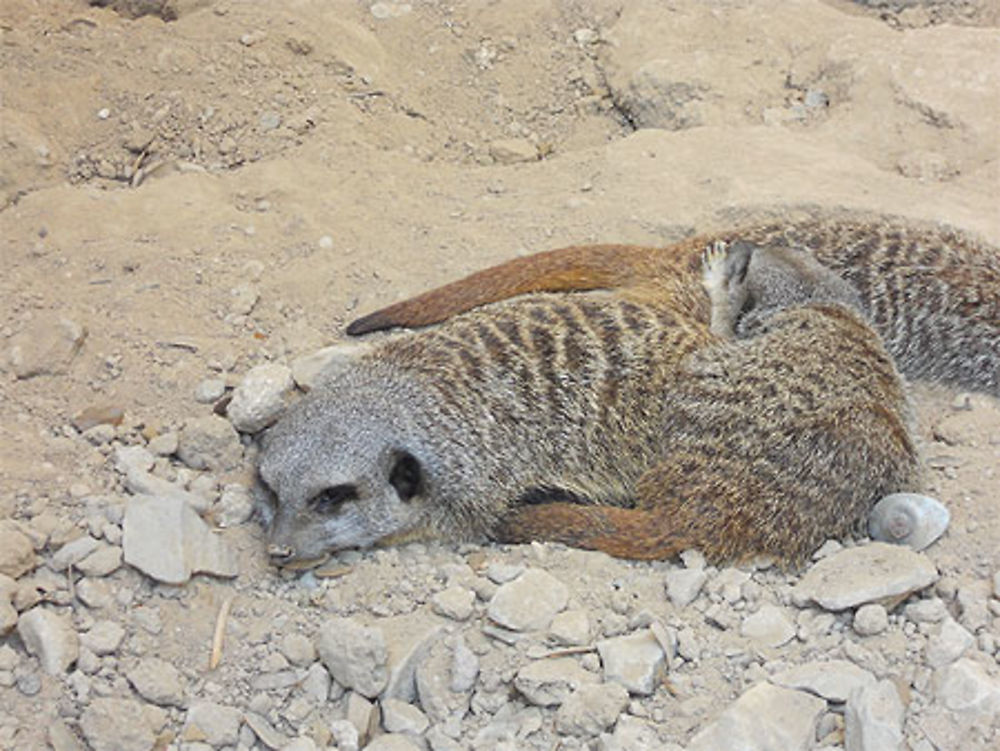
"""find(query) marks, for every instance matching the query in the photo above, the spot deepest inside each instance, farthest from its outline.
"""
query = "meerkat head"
(343, 468)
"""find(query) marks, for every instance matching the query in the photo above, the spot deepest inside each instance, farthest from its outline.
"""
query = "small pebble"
(870, 619)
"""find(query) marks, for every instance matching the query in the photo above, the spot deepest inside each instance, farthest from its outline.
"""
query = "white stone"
(571, 627)
(964, 686)
(50, 638)
(529, 602)
(636, 661)
(400, 717)
(832, 680)
(157, 681)
(73, 552)
(46, 346)
(769, 626)
(310, 370)
(393, 742)
(591, 709)
(873, 718)
(950, 643)
(548, 682)
(215, 724)
(932, 610)
(297, 649)
(454, 602)
(17, 554)
(876, 572)
(764, 717)
(105, 560)
(103, 638)
(165, 539)
(513, 150)
(684, 584)
(235, 506)
(116, 725)
(209, 443)
(209, 390)
(355, 655)
(870, 619)
(260, 398)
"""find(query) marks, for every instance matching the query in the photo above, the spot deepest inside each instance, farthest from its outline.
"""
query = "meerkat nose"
(280, 554)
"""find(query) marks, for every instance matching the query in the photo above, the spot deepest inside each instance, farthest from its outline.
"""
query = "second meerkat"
(615, 422)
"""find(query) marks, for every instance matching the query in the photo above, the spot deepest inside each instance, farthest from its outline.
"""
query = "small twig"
(565, 652)
(220, 631)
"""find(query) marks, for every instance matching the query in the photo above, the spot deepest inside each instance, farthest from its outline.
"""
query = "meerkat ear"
(576, 268)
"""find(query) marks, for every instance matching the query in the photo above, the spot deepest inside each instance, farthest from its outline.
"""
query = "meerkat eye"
(329, 500)
(406, 477)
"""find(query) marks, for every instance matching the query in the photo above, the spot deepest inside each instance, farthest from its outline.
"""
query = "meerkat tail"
(619, 532)
(572, 269)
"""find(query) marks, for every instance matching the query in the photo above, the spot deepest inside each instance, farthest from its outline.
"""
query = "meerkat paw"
(713, 266)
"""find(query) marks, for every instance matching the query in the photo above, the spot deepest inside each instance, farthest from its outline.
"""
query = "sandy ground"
(231, 187)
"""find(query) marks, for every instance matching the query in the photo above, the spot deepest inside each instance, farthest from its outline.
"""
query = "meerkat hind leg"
(724, 271)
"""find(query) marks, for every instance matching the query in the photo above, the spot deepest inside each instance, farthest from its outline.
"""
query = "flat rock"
(157, 681)
(832, 680)
(950, 643)
(591, 709)
(50, 638)
(401, 717)
(876, 572)
(165, 539)
(513, 151)
(769, 626)
(209, 443)
(549, 682)
(571, 627)
(355, 655)
(73, 552)
(311, 369)
(106, 559)
(215, 724)
(529, 602)
(684, 584)
(103, 638)
(260, 398)
(636, 661)
(116, 725)
(17, 554)
(393, 742)
(434, 682)
(765, 717)
(46, 346)
(408, 640)
(964, 686)
(873, 718)
(454, 602)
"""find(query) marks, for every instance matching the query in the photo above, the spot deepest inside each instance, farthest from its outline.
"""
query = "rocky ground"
(216, 186)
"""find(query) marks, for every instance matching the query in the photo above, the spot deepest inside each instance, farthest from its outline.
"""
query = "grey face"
(339, 473)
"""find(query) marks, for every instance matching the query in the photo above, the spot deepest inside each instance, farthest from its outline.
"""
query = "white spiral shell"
(908, 519)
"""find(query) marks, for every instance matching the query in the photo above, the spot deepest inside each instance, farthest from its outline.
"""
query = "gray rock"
(434, 685)
(8, 615)
(46, 346)
(139, 482)
(105, 560)
(549, 682)
(571, 627)
(684, 584)
(393, 742)
(297, 649)
(73, 552)
(165, 539)
(116, 725)
(345, 735)
(157, 681)
(950, 643)
(400, 717)
(316, 684)
(355, 655)
(996, 585)
(877, 572)
(311, 369)
(764, 717)
(260, 398)
(265, 731)
(17, 554)
(769, 626)
(973, 607)
(302, 743)
(908, 519)
(636, 661)
(103, 638)
(235, 506)
(209, 390)
(464, 667)
(832, 680)
(362, 714)
(870, 619)
(931, 610)
(529, 602)
(50, 638)
(964, 686)
(164, 444)
(210, 443)
(215, 724)
(61, 738)
(454, 602)
(591, 709)
(409, 639)
(873, 718)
